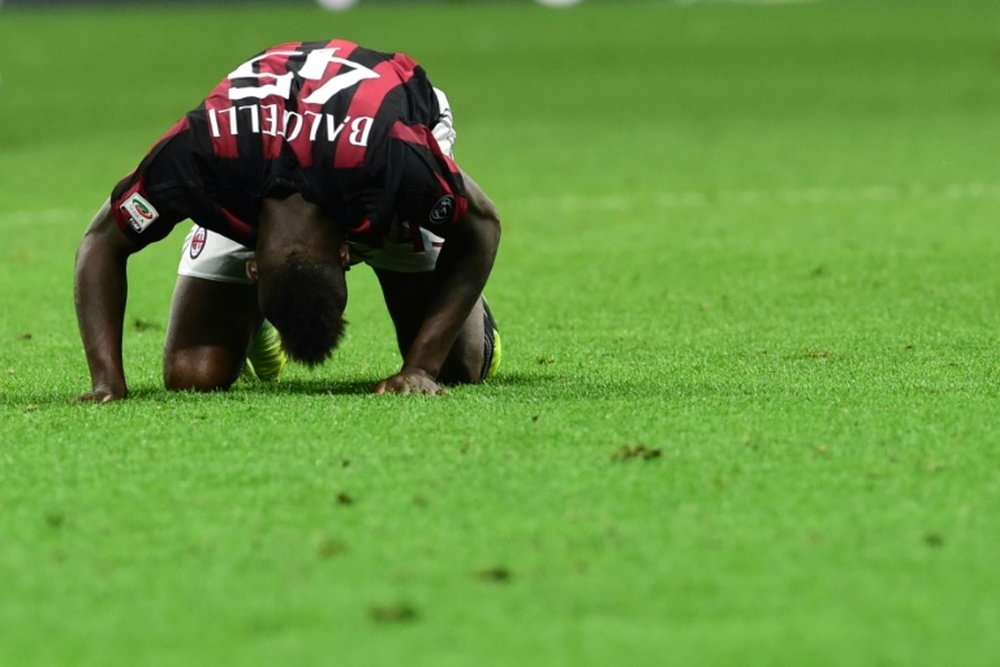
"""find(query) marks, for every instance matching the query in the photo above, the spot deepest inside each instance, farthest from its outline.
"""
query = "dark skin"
(100, 287)
(211, 324)
(447, 305)
(211, 327)
(405, 294)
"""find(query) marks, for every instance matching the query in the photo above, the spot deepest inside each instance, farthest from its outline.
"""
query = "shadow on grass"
(31, 401)
(538, 379)
(37, 400)
(317, 387)
(367, 385)
(242, 391)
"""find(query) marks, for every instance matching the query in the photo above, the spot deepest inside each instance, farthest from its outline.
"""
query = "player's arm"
(461, 272)
(99, 290)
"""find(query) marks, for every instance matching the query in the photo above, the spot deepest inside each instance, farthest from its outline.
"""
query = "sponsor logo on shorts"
(140, 212)
(442, 210)
(197, 242)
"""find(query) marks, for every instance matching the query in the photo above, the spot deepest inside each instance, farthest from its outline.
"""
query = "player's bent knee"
(194, 371)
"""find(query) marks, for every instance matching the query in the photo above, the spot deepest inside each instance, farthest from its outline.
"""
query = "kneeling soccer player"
(310, 153)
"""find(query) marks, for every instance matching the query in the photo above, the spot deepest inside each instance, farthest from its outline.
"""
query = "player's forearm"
(438, 332)
(463, 268)
(100, 290)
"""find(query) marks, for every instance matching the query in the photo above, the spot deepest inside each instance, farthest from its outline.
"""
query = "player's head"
(301, 284)
(305, 300)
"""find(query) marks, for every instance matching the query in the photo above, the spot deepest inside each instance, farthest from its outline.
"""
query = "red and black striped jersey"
(347, 127)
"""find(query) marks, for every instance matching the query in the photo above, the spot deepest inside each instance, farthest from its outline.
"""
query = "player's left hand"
(102, 393)
(409, 382)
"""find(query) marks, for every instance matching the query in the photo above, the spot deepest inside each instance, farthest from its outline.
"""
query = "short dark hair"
(305, 300)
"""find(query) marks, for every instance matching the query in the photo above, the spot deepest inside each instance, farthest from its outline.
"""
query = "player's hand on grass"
(102, 394)
(409, 382)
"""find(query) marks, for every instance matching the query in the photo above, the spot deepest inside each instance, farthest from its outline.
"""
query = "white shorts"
(211, 256)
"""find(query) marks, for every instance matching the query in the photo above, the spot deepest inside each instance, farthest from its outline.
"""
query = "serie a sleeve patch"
(141, 214)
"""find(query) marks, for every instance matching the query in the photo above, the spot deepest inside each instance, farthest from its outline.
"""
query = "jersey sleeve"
(149, 201)
(430, 191)
(168, 187)
(143, 216)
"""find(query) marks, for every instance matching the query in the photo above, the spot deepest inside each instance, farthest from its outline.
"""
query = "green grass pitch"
(749, 409)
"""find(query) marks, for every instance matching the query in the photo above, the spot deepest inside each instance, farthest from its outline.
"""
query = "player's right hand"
(101, 394)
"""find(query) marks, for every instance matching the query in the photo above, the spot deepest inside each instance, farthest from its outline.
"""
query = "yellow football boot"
(266, 359)
(493, 345)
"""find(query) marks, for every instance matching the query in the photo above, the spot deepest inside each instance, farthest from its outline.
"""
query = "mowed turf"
(748, 411)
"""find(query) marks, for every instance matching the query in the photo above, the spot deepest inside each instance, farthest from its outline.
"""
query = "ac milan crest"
(442, 210)
(198, 242)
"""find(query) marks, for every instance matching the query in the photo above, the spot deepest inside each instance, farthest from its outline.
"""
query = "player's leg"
(210, 330)
(213, 316)
(476, 350)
